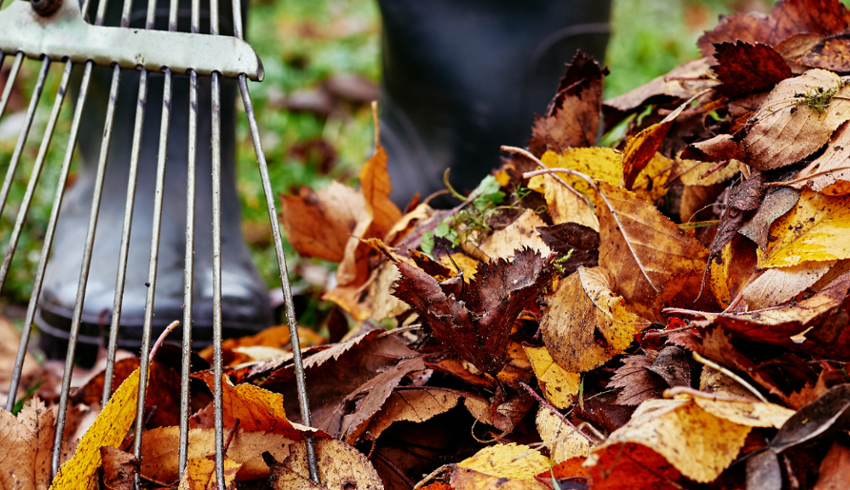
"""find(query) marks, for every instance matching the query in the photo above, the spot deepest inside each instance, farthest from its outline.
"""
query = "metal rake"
(58, 31)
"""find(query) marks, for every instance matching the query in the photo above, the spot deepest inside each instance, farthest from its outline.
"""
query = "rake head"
(57, 31)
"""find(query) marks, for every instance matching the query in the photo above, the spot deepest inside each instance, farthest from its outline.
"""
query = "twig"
(161, 339)
(603, 196)
(732, 375)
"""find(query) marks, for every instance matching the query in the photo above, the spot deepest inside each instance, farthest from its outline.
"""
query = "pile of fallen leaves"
(669, 313)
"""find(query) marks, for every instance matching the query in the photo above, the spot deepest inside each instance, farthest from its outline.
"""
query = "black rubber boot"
(462, 78)
(245, 303)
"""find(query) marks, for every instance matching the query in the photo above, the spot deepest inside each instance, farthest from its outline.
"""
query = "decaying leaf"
(476, 321)
(637, 381)
(830, 172)
(341, 467)
(736, 404)
(796, 119)
(119, 468)
(814, 230)
(564, 442)
(519, 235)
(642, 147)
(697, 443)
(776, 286)
(559, 386)
(108, 430)
(412, 404)
(745, 68)
(586, 324)
(565, 206)
(27, 442)
(509, 461)
(201, 474)
(682, 82)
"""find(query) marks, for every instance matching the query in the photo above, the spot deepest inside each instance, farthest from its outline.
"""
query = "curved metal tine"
(157, 220)
(36, 172)
(189, 267)
(48, 239)
(215, 85)
(22, 137)
(10, 82)
(85, 266)
(300, 378)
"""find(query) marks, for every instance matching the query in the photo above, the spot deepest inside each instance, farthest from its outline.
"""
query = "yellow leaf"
(467, 264)
(650, 182)
(504, 461)
(559, 386)
(201, 475)
(563, 441)
(697, 443)
(751, 413)
(605, 164)
(519, 234)
(340, 467)
(816, 229)
(109, 429)
(466, 479)
(692, 170)
(564, 205)
(586, 324)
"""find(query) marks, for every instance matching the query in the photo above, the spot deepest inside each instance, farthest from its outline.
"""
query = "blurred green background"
(322, 62)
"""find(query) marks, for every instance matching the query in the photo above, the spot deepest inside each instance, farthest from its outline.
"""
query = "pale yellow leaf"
(559, 386)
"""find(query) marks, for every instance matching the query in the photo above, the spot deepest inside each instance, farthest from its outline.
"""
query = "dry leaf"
(475, 319)
(745, 68)
(160, 447)
(341, 467)
(119, 468)
(834, 470)
(641, 148)
(830, 172)
(815, 230)
(786, 128)
(201, 474)
(649, 254)
(692, 171)
(637, 381)
(319, 223)
(697, 443)
(520, 234)
(27, 442)
(730, 404)
(564, 206)
(384, 304)
(682, 82)
(512, 461)
(108, 429)
(777, 201)
(776, 286)
(564, 442)
(586, 324)
(559, 386)
(413, 404)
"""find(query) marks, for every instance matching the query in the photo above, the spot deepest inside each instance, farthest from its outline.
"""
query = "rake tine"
(216, 236)
(36, 173)
(22, 138)
(10, 81)
(189, 267)
(48, 240)
(300, 378)
(157, 220)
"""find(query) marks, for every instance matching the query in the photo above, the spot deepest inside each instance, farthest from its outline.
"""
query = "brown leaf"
(586, 324)
(697, 443)
(831, 53)
(641, 148)
(336, 372)
(834, 469)
(776, 286)
(412, 404)
(477, 322)
(788, 17)
(27, 442)
(777, 201)
(160, 447)
(572, 118)
(256, 409)
(520, 234)
(745, 68)
(716, 149)
(372, 395)
(790, 126)
(830, 172)
(341, 467)
(682, 82)
(319, 223)
(650, 256)
(119, 468)
(637, 381)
